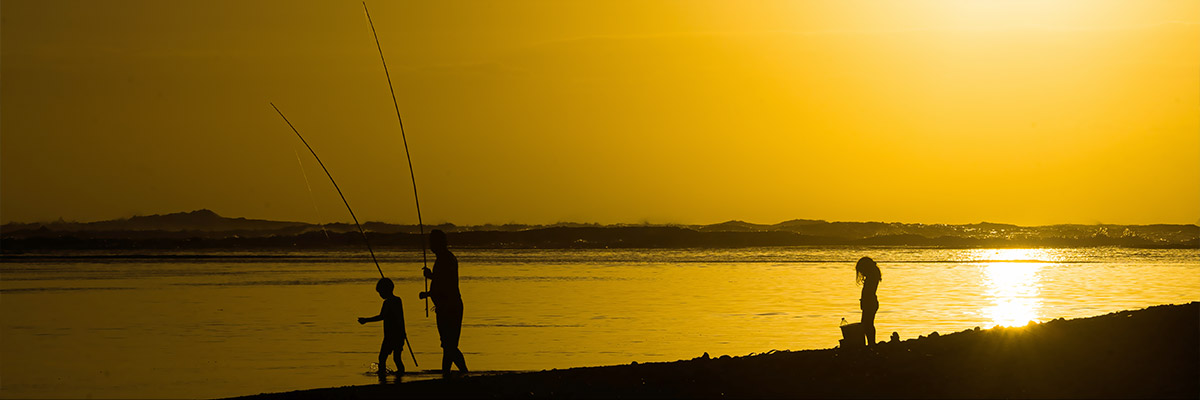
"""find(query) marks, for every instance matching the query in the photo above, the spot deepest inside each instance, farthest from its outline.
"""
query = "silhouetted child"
(867, 275)
(392, 315)
(447, 301)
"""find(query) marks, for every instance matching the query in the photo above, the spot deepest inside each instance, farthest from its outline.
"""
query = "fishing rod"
(335, 186)
(396, 105)
(347, 203)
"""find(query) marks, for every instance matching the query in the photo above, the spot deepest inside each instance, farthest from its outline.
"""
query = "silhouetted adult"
(867, 275)
(447, 301)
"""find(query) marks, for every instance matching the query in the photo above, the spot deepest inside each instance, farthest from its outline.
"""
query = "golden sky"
(1026, 112)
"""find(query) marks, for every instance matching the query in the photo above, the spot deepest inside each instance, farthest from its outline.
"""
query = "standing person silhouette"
(447, 301)
(392, 315)
(867, 275)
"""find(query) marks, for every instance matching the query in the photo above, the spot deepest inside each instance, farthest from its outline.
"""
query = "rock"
(724, 357)
(705, 356)
(934, 334)
(895, 336)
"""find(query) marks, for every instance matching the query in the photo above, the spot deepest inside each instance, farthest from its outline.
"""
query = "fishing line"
(396, 105)
(335, 186)
(310, 193)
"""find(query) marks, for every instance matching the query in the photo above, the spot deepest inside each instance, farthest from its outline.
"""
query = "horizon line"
(643, 223)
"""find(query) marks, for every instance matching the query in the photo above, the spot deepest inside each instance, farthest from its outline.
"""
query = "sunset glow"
(611, 112)
(599, 198)
(1013, 288)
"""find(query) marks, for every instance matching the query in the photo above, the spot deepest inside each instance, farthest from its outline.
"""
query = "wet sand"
(1149, 353)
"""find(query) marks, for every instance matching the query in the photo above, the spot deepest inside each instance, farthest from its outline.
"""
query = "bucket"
(853, 336)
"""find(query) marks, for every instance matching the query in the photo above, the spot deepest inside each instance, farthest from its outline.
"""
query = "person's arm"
(428, 275)
(363, 320)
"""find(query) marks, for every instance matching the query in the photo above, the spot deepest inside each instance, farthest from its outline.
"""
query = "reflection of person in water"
(392, 316)
(868, 276)
(447, 301)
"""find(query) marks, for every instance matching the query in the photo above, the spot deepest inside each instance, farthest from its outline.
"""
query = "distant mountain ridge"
(205, 228)
(199, 220)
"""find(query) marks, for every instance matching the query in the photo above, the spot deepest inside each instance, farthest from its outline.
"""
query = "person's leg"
(462, 362)
(385, 348)
(459, 360)
(870, 329)
(397, 355)
(447, 358)
(443, 329)
(868, 323)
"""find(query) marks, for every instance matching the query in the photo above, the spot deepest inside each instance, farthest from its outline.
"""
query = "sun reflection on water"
(1013, 284)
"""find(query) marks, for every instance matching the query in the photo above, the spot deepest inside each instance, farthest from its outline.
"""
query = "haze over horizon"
(535, 112)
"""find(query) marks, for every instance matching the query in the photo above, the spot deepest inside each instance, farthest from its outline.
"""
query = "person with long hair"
(867, 275)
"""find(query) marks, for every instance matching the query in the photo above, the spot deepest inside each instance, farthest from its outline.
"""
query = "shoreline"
(1148, 353)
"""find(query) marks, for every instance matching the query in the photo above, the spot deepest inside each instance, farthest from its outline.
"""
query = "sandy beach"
(1148, 353)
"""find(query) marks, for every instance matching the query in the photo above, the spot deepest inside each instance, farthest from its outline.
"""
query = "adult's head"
(437, 240)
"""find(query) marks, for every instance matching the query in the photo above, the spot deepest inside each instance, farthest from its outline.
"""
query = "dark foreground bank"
(1150, 353)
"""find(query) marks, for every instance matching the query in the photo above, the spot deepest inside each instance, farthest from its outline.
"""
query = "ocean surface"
(185, 325)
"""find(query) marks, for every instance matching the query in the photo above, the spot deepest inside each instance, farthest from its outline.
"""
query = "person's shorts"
(449, 324)
(871, 305)
(392, 345)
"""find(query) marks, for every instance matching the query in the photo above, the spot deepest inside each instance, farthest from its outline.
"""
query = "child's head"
(867, 269)
(437, 240)
(384, 287)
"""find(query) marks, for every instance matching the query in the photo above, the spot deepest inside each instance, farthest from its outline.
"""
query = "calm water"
(231, 326)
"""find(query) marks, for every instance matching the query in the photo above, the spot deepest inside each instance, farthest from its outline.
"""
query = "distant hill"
(735, 226)
(199, 220)
(205, 229)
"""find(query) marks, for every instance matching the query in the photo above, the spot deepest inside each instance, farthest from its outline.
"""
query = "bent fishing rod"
(347, 203)
(335, 186)
(396, 105)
